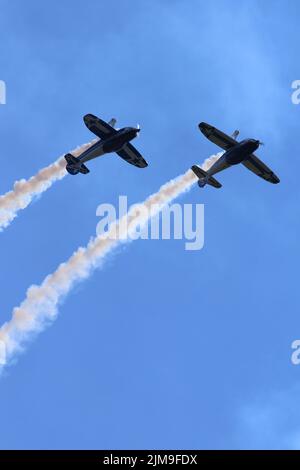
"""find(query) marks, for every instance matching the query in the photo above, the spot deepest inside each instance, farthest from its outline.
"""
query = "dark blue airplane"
(235, 152)
(110, 140)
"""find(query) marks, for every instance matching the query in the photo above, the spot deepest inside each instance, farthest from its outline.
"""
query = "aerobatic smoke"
(39, 307)
(24, 191)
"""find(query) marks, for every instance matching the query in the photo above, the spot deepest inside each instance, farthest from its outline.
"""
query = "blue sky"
(199, 355)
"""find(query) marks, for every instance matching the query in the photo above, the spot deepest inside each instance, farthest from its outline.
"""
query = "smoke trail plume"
(24, 191)
(41, 302)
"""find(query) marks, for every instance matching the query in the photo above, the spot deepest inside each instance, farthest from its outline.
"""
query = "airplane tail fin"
(204, 178)
(74, 165)
(112, 122)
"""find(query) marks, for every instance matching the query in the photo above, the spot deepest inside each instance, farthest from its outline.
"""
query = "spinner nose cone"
(254, 144)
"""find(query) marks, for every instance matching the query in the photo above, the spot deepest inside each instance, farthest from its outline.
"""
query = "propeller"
(138, 129)
(261, 143)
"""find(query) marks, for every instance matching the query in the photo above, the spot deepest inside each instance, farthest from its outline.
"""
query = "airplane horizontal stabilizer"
(84, 169)
(70, 159)
(74, 166)
(204, 178)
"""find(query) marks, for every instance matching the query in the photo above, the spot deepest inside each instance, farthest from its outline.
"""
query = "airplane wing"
(132, 156)
(255, 165)
(101, 128)
(217, 137)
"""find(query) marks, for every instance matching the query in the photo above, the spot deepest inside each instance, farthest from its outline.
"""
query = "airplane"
(111, 140)
(235, 152)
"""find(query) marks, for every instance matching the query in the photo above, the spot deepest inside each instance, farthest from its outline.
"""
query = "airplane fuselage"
(235, 155)
(112, 143)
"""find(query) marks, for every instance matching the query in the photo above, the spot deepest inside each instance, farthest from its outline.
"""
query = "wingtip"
(142, 164)
(88, 116)
(203, 125)
(275, 179)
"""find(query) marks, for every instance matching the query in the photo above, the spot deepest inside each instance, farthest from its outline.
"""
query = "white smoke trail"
(24, 191)
(41, 302)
